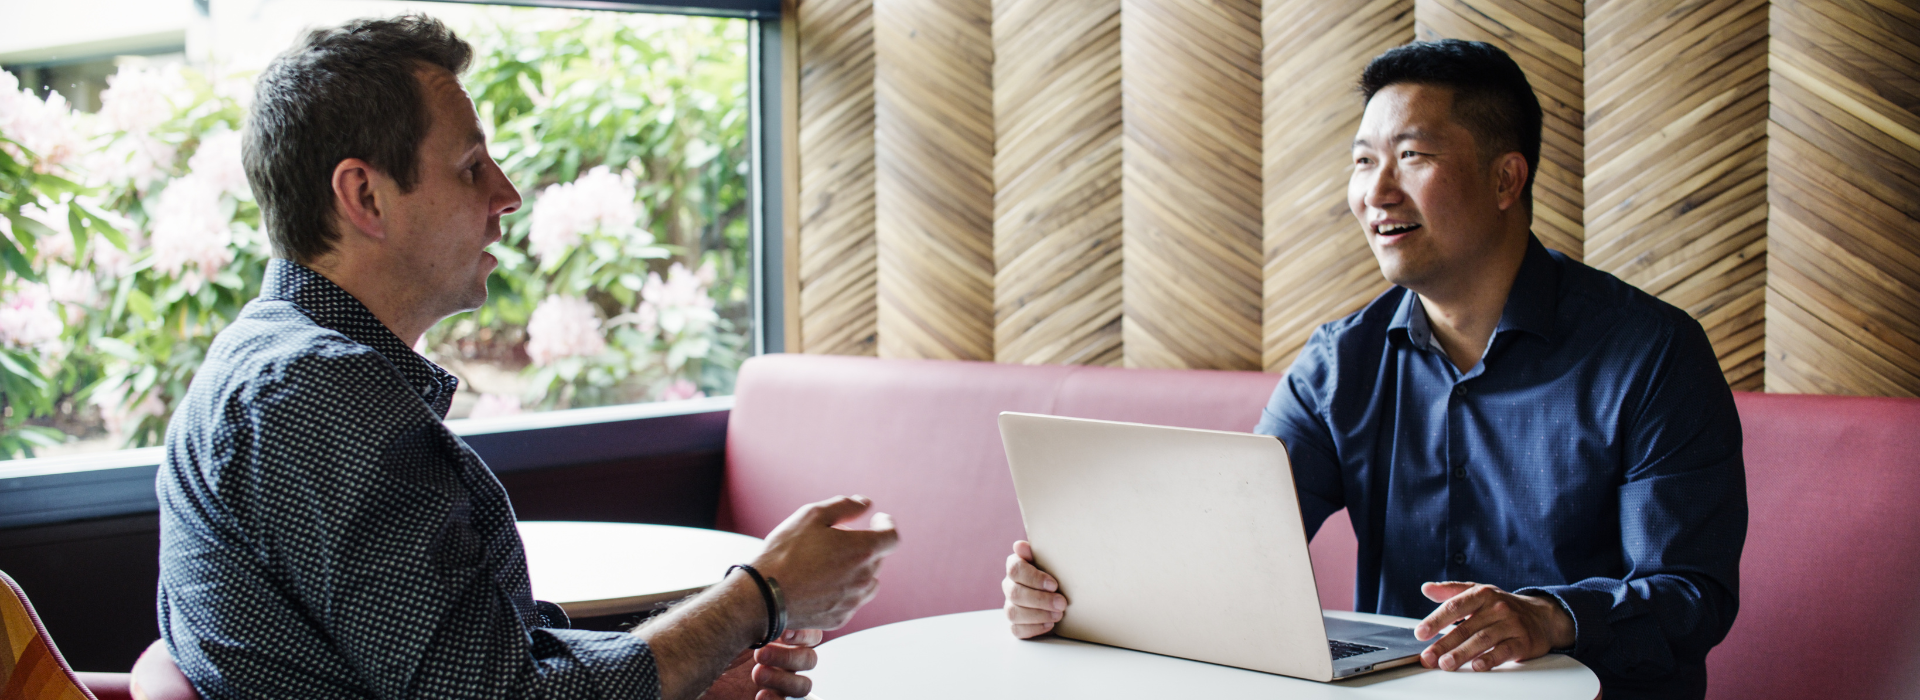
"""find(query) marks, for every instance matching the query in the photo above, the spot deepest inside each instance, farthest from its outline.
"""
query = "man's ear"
(1510, 179)
(356, 196)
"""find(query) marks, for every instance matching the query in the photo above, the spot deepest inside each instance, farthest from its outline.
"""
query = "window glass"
(129, 237)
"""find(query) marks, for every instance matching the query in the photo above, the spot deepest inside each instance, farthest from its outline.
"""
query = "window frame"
(52, 490)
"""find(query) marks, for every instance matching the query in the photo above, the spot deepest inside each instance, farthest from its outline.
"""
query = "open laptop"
(1184, 542)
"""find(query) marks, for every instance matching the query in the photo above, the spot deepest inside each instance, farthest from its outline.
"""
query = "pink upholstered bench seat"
(1832, 563)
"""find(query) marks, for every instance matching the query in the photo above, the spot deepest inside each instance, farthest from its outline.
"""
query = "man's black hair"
(340, 92)
(1491, 95)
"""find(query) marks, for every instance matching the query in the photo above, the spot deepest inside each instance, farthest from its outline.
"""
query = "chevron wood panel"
(1317, 266)
(1545, 38)
(838, 269)
(1191, 192)
(933, 194)
(1676, 201)
(1843, 174)
(1057, 173)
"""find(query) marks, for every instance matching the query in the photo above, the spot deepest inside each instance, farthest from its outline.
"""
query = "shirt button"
(1460, 558)
(1459, 472)
(1459, 391)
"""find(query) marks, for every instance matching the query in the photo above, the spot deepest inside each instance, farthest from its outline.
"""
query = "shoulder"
(1600, 309)
(1359, 336)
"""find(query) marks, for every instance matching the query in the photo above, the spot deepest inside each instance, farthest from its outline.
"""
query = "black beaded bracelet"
(776, 603)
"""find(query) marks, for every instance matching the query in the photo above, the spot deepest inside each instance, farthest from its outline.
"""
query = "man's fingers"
(1473, 646)
(1031, 631)
(786, 684)
(1456, 608)
(1023, 615)
(1440, 591)
(1023, 549)
(1506, 650)
(835, 511)
(790, 658)
(802, 638)
(1029, 598)
(1026, 574)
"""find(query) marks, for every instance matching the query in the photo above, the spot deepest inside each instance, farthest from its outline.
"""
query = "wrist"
(1559, 621)
(746, 612)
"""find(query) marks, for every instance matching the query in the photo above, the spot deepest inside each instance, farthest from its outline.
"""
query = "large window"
(129, 237)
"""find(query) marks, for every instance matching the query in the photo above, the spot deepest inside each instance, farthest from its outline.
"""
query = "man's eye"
(475, 170)
(1408, 154)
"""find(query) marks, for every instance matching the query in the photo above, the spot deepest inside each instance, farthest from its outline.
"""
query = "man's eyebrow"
(1413, 135)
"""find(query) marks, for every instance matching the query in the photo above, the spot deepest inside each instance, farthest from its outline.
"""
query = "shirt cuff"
(1589, 610)
(619, 665)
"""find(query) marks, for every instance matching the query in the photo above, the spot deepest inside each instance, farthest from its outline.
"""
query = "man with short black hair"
(322, 533)
(1525, 445)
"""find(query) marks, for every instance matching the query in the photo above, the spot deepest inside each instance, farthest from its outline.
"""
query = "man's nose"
(506, 197)
(1383, 187)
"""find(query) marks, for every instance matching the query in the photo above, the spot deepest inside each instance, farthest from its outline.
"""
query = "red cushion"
(1827, 581)
(922, 439)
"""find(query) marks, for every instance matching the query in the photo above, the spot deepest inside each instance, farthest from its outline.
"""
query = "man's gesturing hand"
(1495, 626)
(777, 666)
(825, 571)
(1033, 605)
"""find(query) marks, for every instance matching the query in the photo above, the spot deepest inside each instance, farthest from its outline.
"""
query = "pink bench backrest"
(1830, 578)
(922, 439)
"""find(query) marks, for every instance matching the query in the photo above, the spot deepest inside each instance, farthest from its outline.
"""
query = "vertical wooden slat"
(1317, 264)
(790, 175)
(933, 194)
(838, 302)
(1191, 193)
(1545, 38)
(1843, 179)
(1057, 172)
(1676, 200)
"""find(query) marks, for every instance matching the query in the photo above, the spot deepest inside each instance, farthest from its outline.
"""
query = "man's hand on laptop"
(825, 571)
(1494, 626)
(1033, 603)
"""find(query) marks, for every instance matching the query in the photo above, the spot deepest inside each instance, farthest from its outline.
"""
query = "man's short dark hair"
(340, 92)
(1491, 95)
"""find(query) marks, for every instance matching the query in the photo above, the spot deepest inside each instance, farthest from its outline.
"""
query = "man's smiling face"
(1421, 189)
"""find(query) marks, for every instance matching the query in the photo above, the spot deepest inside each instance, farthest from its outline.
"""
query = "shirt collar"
(1531, 304)
(333, 308)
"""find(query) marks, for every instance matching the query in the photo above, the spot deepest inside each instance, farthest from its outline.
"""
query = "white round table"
(594, 569)
(972, 655)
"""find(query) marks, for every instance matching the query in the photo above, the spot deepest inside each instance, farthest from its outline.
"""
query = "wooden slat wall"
(1843, 225)
(1545, 38)
(1191, 193)
(1056, 173)
(838, 270)
(1755, 162)
(1676, 162)
(1317, 264)
(933, 86)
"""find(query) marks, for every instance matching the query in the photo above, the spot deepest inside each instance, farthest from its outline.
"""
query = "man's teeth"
(1391, 229)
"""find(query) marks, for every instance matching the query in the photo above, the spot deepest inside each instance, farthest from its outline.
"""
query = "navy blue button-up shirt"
(1593, 455)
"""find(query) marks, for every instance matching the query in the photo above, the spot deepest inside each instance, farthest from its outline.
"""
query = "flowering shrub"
(129, 238)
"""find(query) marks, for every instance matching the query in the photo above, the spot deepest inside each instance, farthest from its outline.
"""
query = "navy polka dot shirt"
(324, 536)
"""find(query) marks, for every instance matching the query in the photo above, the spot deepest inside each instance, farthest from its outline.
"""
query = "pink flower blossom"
(136, 160)
(218, 162)
(138, 97)
(27, 319)
(46, 127)
(597, 201)
(495, 406)
(680, 390)
(680, 303)
(122, 417)
(563, 326)
(190, 231)
(74, 287)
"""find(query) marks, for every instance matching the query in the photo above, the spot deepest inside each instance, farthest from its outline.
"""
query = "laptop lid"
(1175, 541)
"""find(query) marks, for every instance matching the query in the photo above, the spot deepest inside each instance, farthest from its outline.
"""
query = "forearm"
(1643, 628)
(693, 642)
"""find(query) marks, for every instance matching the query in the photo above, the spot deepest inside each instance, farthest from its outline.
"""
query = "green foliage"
(659, 102)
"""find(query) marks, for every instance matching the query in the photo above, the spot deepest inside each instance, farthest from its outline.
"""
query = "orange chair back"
(30, 666)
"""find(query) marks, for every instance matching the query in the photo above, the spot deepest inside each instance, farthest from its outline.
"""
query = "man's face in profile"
(454, 210)
(1421, 189)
